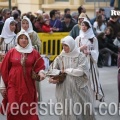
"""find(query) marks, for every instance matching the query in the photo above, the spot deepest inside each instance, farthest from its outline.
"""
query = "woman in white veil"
(7, 37)
(74, 88)
(88, 44)
(27, 26)
(7, 41)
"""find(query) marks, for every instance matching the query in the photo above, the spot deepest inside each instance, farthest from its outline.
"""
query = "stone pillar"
(49, 1)
(29, 5)
(71, 2)
(116, 3)
(81, 2)
(76, 2)
(3, 0)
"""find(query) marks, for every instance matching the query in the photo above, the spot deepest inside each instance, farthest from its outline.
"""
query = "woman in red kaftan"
(20, 87)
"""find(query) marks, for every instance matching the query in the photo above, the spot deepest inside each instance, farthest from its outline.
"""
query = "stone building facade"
(47, 5)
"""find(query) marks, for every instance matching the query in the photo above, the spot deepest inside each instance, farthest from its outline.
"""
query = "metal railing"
(51, 43)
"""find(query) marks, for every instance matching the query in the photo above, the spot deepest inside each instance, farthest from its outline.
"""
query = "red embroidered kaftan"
(20, 88)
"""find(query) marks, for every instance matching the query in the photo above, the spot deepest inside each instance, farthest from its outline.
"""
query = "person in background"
(103, 51)
(55, 23)
(16, 9)
(107, 50)
(7, 37)
(1, 23)
(38, 23)
(27, 26)
(75, 17)
(81, 9)
(19, 86)
(67, 24)
(118, 77)
(76, 29)
(114, 23)
(46, 16)
(18, 21)
(74, 87)
(116, 42)
(46, 26)
(33, 20)
(102, 12)
(6, 13)
(66, 12)
(109, 33)
(38, 12)
(99, 25)
(112, 3)
(59, 14)
(99, 12)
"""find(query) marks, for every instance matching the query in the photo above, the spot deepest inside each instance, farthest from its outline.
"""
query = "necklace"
(23, 58)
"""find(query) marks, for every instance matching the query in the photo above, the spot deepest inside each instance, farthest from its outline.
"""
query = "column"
(76, 2)
(80, 2)
(3, 0)
(71, 2)
(49, 1)
(117, 3)
(29, 5)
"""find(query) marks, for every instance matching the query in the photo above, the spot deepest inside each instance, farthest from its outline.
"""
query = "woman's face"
(25, 24)
(23, 41)
(80, 20)
(66, 48)
(107, 32)
(12, 26)
(84, 27)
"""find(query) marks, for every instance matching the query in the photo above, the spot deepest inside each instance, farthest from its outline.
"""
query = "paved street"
(108, 77)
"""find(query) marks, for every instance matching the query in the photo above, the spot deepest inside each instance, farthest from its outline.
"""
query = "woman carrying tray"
(73, 90)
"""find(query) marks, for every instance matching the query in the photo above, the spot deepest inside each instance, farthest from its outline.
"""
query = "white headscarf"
(74, 51)
(30, 29)
(82, 15)
(89, 33)
(28, 48)
(6, 32)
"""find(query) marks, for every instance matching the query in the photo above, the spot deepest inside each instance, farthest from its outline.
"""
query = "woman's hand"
(42, 76)
(83, 47)
(86, 52)
(3, 93)
(62, 71)
(51, 80)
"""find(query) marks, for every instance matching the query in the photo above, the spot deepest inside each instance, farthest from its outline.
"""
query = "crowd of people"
(105, 29)
(91, 43)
